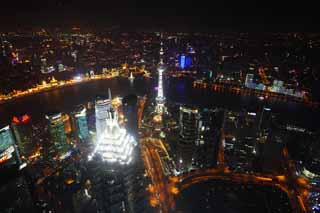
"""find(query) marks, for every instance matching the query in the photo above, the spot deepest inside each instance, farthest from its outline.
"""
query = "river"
(178, 90)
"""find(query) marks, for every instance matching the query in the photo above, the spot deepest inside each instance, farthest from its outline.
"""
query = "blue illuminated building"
(80, 124)
(184, 61)
(9, 153)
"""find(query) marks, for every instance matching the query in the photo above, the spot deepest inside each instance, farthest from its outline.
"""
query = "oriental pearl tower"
(160, 99)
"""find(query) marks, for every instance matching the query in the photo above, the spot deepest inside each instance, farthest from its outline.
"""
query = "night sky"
(165, 14)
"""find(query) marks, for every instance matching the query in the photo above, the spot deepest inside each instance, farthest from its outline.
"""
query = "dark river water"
(177, 90)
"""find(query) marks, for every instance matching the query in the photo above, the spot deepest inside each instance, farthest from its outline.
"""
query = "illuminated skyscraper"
(188, 136)
(80, 124)
(9, 153)
(249, 80)
(184, 61)
(115, 145)
(57, 132)
(207, 144)
(160, 99)
(67, 123)
(103, 105)
(22, 129)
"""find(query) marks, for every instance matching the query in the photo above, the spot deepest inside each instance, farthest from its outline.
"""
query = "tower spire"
(160, 99)
(109, 94)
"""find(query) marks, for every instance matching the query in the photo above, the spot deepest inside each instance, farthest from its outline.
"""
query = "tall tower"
(103, 105)
(160, 99)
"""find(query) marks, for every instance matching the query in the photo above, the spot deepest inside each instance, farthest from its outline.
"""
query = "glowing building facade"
(115, 145)
(57, 132)
(102, 107)
(9, 153)
(80, 124)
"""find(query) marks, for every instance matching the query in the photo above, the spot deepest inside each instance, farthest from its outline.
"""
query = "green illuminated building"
(57, 133)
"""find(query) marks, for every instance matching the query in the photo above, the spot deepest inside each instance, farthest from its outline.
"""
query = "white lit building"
(160, 99)
(102, 106)
(115, 145)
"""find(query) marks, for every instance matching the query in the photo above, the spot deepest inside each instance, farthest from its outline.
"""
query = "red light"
(15, 120)
(4, 159)
(25, 118)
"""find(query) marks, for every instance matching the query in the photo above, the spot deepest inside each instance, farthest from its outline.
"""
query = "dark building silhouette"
(130, 112)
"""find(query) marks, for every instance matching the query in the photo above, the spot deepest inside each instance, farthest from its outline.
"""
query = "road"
(154, 167)
(167, 187)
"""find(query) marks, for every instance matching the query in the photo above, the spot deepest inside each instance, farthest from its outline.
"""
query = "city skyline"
(196, 121)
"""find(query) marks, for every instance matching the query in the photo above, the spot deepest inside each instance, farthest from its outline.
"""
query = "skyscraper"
(265, 120)
(22, 129)
(9, 153)
(80, 125)
(187, 137)
(130, 112)
(103, 105)
(160, 99)
(67, 123)
(249, 80)
(115, 145)
(57, 132)
(208, 129)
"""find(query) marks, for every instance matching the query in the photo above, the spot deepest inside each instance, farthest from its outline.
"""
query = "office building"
(188, 120)
(208, 139)
(184, 61)
(265, 120)
(67, 123)
(57, 132)
(9, 153)
(115, 145)
(22, 128)
(80, 125)
(102, 106)
(130, 112)
(249, 80)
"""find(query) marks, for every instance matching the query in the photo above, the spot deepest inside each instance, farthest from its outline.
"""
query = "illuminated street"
(103, 110)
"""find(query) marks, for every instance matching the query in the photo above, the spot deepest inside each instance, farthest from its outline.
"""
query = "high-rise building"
(57, 132)
(188, 136)
(130, 112)
(184, 61)
(249, 80)
(22, 129)
(208, 139)
(67, 123)
(80, 125)
(43, 66)
(115, 145)
(103, 105)
(9, 153)
(265, 120)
